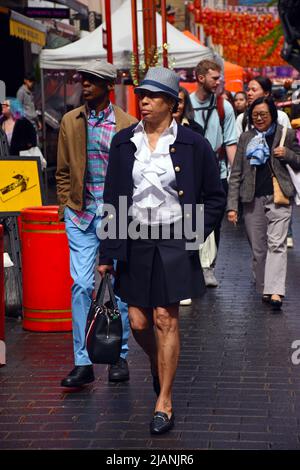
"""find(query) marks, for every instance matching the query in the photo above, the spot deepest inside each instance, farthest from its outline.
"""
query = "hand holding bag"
(104, 327)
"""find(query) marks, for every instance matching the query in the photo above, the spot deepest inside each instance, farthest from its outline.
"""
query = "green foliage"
(273, 35)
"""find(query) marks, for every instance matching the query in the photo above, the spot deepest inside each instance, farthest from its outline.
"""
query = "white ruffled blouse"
(155, 198)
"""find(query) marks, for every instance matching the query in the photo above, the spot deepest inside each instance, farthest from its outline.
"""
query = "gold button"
(173, 150)
(110, 216)
(177, 169)
(180, 192)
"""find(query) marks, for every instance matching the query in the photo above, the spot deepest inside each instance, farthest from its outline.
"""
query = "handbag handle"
(106, 282)
(283, 136)
(281, 144)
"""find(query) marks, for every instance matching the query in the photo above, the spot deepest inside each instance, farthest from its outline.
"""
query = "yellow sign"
(20, 184)
(26, 32)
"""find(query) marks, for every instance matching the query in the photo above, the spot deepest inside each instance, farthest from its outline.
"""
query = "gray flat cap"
(100, 68)
(160, 80)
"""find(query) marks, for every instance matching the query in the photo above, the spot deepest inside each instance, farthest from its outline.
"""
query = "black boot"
(79, 376)
(119, 372)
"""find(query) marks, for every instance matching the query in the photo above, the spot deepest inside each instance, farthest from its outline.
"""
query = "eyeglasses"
(262, 115)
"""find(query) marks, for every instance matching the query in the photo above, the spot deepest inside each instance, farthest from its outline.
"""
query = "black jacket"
(197, 177)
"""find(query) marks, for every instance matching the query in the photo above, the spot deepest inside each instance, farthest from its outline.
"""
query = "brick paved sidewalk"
(236, 387)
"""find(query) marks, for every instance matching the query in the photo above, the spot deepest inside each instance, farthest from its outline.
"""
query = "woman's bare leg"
(141, 322)
(168, 348)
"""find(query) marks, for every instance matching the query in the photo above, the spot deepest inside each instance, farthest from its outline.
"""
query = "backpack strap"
(216, 102)
(221, 110)
(209, 110)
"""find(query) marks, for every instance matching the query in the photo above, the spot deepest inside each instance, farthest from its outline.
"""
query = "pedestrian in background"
(257, 88)
(185, 116)
(83, 146)
(227, 95)
(160, 166)
(26, 98)
(258, 157)
(240, 102)
(217, 118)
(19, 131)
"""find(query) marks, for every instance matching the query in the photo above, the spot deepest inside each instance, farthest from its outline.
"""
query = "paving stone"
(236, 387)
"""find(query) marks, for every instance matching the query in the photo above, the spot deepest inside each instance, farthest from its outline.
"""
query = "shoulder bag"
(279, 197)
(104, 327)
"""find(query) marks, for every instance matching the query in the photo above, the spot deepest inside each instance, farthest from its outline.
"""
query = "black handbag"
(103, 332)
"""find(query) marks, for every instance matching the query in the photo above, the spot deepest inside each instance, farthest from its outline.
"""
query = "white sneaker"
(209, 277)
(289, 242)
(186, 302)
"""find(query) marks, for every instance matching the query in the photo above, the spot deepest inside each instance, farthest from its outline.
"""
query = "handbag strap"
(283, 136)
(281, 144)
(106, 282)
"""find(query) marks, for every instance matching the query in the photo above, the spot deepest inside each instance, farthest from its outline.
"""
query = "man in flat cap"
(83, 147)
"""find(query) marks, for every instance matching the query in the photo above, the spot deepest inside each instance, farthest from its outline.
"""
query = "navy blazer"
(197, 177)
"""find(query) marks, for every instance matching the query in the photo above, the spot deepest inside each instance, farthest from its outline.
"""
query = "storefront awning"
(27, 29)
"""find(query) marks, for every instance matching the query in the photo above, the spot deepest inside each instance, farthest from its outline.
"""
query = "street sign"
(57, 13)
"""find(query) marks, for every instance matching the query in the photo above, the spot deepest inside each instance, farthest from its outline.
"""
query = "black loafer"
(156, 384)
(161, 423)
(79, 376)
(118, 372)
(266, 298)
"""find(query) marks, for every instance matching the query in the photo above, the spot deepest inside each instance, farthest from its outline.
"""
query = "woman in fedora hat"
(164, 171)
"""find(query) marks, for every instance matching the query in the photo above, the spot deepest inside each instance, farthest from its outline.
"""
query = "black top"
(194, 126)
(263, 181)
(23, 137)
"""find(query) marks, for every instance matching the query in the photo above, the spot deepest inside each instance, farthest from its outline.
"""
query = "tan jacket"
(72, 156)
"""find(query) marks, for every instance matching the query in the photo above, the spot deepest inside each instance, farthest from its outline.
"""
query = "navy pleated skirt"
(158, 273)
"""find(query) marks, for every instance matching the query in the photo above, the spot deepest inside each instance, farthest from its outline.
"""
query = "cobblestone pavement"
(236, 386)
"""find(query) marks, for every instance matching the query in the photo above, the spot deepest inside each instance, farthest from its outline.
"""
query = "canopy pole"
(149, 26)
(135, 52)
(164, 32)
(109, 40)
(44, 131)
(108, 31)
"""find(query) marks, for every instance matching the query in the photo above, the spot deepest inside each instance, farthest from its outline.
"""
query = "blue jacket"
(197, 177)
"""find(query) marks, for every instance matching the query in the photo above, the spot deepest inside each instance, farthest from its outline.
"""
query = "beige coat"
(72, 156)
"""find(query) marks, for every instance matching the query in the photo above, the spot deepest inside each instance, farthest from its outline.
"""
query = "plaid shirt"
(100, 131)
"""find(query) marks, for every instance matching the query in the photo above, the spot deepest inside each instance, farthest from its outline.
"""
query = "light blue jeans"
(84, 246)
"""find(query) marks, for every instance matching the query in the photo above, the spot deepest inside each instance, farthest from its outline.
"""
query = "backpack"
(218, 104)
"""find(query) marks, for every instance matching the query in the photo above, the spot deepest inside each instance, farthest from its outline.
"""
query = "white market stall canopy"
(183, 52)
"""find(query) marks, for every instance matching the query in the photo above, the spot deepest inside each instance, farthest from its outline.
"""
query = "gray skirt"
(158, 273)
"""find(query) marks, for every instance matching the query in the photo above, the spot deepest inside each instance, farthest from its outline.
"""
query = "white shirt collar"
(172, 129)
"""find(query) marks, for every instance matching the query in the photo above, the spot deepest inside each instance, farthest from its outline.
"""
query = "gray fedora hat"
(160, 80)
(99, 68)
